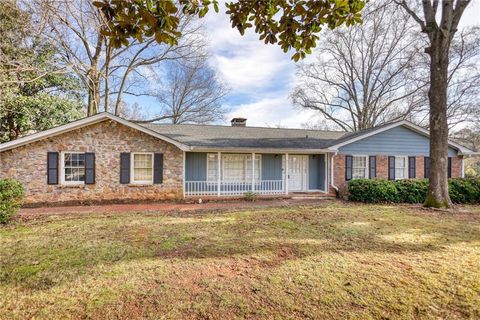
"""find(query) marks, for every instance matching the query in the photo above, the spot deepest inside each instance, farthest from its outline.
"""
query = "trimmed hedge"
(11, 198)
(410, 190)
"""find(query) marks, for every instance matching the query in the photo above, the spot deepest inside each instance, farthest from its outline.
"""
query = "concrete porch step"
(311, 195)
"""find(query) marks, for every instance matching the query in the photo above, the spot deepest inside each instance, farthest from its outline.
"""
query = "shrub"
(410, 190)
(250, 196)
(11, 198)
(464, 190)
(372, 190)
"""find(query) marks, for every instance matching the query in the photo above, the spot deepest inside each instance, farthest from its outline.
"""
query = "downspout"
(332, 176)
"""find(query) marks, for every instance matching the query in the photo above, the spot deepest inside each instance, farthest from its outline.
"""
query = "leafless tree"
(106, 72)
(470, 137)
(366, 74)
(190, 92)
(463, 93)
(439, 22)
(19, 36)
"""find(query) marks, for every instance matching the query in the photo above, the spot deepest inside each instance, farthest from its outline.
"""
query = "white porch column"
(184, 174)
(286, 174)
(253, 171)
(219, 171)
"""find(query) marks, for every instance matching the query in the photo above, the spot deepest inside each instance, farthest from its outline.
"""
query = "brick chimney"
(239, 122)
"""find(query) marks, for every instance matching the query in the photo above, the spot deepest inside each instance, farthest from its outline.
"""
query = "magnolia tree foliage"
(35, 94)
(292, 24)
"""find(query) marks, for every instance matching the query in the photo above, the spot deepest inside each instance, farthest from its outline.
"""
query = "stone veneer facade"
(382, 169)
(107, 139)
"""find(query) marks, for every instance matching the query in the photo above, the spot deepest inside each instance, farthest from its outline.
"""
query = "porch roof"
(227, 137)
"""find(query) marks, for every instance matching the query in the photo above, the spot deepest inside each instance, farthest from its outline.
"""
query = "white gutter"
(332, 180)
(259, 150)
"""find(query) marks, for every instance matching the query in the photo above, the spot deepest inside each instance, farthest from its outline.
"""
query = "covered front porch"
(234, 174)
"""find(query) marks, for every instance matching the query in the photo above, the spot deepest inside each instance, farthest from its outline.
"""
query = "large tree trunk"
(438, 196)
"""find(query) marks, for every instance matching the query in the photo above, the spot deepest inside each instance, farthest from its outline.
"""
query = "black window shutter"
(158, 168)
(89, 168)
(52, 167)
(449, 167)
(391, 168)
(348, 167)
(124, 167)
(373, 167)
(426, 166)
(411, 167)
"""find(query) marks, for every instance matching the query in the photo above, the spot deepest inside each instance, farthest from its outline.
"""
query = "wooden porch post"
(286, 173)
(219, 171)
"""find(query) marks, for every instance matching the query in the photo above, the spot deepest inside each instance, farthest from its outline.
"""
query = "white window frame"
(367, 165)
(132, 168)
(208, 167)
(246, 177)
(405, 169)
(62, 170)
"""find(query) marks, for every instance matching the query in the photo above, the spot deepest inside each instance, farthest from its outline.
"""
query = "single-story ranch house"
(107, 158)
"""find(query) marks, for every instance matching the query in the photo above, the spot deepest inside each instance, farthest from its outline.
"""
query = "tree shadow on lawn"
(45, 255)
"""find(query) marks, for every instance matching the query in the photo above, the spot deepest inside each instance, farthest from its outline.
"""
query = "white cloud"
(262, 76)
(245, 62)
(273, 112)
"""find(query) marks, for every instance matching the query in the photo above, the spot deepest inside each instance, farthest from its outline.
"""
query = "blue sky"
(261, 76)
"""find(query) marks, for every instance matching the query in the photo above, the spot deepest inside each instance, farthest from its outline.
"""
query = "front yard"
(333, 260)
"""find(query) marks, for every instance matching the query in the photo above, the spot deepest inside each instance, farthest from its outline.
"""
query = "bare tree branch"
(365, 74)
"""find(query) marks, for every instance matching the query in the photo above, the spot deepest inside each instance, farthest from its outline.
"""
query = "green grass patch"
(332, 261)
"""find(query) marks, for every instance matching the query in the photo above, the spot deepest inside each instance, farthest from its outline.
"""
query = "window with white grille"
(401, 166)
(359, 167)
(73, 167)
(212, 167)
(238, 167)
(142, 165)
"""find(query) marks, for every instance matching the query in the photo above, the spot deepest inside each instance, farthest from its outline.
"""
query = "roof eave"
(462, 150)
(257, 150)
(82, 123)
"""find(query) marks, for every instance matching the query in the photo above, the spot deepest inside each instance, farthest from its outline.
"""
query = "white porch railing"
(210, 188)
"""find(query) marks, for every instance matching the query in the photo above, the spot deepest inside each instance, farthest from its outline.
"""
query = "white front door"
(297, 172)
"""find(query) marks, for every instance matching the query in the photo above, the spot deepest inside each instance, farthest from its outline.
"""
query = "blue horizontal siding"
(271, 167)
(395, 141)
(316, 172)
(195, 166)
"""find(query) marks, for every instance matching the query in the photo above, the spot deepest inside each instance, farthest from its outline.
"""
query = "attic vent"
(239, 122)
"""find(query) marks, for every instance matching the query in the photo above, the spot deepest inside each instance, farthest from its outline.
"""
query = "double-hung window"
(234, 168)
(142, 168)
(359, 167)
(212, 167)
(239, 168)
(401, 168)
(73, 167)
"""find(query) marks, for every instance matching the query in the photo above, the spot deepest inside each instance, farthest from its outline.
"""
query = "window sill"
(140, 185)
(74, 186)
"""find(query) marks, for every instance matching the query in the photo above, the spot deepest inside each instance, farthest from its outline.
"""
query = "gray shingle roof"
(210, 136)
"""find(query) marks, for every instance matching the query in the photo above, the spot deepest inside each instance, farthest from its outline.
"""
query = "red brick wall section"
(382, 169)
(339, 173)
(456, 167)
(419, 167)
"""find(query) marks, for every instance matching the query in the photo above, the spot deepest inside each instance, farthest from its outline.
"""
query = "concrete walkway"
(31, 213)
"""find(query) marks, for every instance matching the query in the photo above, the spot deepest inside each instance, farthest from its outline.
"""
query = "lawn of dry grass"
(334, 260)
